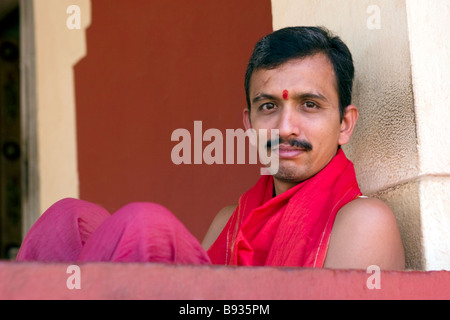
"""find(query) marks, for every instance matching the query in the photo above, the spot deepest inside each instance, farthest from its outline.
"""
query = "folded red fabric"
(291, 229)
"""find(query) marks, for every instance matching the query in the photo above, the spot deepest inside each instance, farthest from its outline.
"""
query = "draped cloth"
(73, 230)
(291, 229)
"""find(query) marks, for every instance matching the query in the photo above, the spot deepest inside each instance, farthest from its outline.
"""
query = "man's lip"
(287, 151)
(287, 147)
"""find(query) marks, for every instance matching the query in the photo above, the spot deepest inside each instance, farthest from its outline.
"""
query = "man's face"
(300, 99)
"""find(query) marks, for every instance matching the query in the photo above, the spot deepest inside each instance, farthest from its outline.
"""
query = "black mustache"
(302, 144)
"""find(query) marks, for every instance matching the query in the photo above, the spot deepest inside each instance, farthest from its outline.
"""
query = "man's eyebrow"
(263, 96)
(300, 96)
(310, 95)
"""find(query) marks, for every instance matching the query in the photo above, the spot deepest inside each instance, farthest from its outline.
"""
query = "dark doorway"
(10, 134)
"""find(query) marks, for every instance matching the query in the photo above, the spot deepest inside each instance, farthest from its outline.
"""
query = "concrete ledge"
(155, 281)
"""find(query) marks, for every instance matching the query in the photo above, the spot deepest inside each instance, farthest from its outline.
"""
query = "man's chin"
(290, 176)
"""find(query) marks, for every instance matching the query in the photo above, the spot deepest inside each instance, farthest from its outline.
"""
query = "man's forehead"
(315, 70)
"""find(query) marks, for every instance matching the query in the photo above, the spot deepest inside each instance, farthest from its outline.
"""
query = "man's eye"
(311, 105)
(267, 106)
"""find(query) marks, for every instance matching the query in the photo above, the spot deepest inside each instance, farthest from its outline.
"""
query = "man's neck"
(280, 186)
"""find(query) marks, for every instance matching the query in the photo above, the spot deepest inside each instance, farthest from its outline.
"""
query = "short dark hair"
(299, 42)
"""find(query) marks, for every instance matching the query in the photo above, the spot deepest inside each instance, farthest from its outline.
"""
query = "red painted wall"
(152, 67)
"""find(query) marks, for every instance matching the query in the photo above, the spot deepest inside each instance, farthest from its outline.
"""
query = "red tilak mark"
(285, 94)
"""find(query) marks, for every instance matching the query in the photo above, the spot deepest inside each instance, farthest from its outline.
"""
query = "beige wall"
(429, 36)
(401, 53)
(58, 49)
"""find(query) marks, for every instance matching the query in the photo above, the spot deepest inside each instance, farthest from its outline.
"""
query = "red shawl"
(291, 229)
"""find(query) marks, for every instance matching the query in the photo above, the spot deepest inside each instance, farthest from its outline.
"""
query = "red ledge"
(175, 282)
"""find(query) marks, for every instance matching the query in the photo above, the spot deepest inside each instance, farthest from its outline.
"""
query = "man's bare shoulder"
(365, 233)
(217, 225)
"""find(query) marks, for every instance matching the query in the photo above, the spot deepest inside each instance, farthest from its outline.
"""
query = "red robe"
(292, 229)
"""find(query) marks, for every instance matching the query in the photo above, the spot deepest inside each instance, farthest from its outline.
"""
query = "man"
(299, 81)
(310, 213)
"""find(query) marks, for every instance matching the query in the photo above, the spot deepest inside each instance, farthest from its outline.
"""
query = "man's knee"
(141, 212)
(75, 207)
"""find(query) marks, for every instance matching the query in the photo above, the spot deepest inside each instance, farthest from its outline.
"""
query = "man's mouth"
(289, 149)
(288, 152)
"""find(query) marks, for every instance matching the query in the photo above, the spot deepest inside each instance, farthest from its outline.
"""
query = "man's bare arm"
(365, 233)
(217, 225)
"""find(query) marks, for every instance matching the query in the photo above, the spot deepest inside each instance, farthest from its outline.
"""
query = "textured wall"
(430, 52)
(430, 58)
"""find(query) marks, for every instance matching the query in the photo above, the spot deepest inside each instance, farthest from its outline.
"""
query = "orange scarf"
(292, 229)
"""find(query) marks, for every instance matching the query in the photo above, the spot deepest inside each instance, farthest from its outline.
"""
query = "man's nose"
(288, 124)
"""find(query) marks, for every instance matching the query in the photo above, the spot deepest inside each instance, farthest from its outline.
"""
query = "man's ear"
(246, 119)
(348, 124)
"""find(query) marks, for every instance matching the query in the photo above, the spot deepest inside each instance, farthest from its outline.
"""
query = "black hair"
(299, 42)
